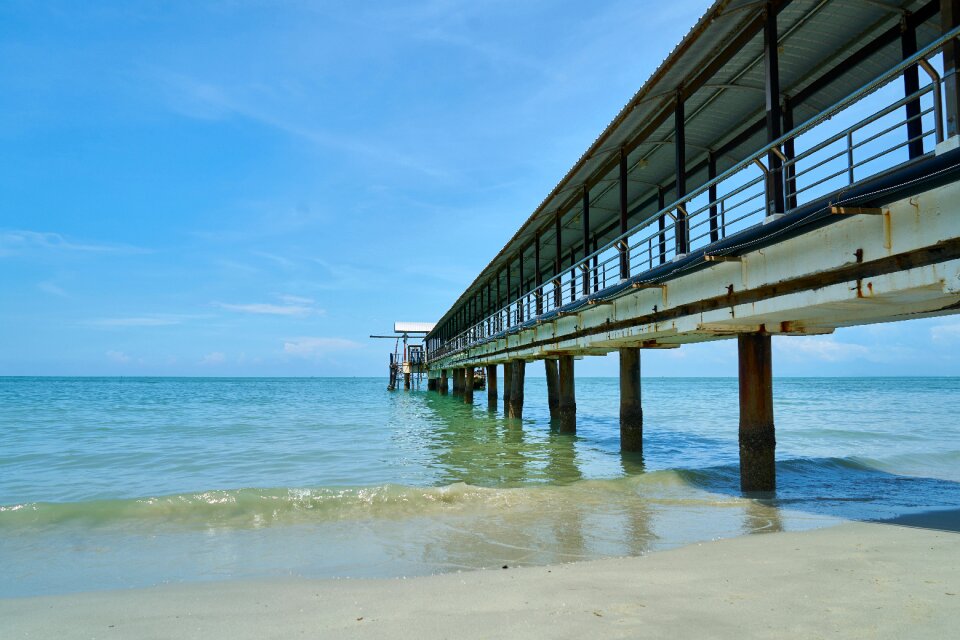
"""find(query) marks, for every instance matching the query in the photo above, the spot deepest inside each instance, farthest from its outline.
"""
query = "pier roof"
(827, 48)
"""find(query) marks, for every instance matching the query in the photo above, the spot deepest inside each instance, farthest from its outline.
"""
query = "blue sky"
(252, 188)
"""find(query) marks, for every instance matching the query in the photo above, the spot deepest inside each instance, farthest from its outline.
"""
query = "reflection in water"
(762, 516)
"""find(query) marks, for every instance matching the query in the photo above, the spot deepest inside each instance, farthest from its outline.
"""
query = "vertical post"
(711, 174)
(681, 230)
(509, 295)
(456, 382)
(443, 388)
(631, 410)
(662, 225)
(499, 325)
(949, 18)
(507, 385)
(789, 151)
(406, 381)
(911, 84)
(757, 438)
(771, 67)
(624, 248)
(553, 392)
(567, 400)
(557, 293)
(468, 374)
(520, 296)
(432, 384)
(585, 217)
(492, 387)
(596, 265)
(516, 389)
(538, 277)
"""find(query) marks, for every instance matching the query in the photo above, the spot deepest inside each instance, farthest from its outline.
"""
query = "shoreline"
(856, 579)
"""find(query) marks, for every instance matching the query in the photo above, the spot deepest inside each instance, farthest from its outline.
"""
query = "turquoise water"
(126, 482)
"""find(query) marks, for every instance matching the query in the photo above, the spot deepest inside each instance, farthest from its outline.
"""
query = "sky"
(248, 188)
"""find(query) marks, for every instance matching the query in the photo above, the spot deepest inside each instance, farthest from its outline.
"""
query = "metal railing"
(833, 160)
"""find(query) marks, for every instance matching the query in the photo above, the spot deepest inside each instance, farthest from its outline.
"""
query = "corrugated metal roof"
(813, 35)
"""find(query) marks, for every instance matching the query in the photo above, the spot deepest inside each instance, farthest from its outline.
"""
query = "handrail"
(520, 307)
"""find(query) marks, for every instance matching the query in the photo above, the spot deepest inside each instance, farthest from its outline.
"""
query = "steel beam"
(771, 67)
(624, 217)
(681, 229)
(950, 18)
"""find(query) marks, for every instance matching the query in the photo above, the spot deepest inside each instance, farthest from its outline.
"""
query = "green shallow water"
(111, 483)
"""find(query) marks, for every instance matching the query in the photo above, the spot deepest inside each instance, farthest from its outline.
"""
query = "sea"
(116, 483)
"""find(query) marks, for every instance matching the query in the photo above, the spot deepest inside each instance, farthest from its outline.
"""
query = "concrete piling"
(553, 392)
(516, 389)
(631, 410)
(492, 387)
(457, 382)
(507, 385)
(468, 385)
(442, 384)
(406, 382)
(757, 438)
(431, 384)
(567, 397)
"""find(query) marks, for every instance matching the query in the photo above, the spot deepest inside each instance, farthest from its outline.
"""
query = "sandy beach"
(855, 580)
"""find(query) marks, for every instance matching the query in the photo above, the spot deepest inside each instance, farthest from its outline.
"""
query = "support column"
(553, 391)
(492, 387)
(431, 384)
(757, 437)
(406, 382)
(516, 389)
(624, 214)
(949, 18)
(771, 67)
(631, 410)
(911, 84)
(567, 399)
(443, 382)
(457, 382)
(507, 385)
(468, 385)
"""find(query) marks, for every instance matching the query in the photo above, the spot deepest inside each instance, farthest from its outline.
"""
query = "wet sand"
(855, 580)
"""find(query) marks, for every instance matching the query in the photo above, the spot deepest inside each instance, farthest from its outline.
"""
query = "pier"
(791, 167)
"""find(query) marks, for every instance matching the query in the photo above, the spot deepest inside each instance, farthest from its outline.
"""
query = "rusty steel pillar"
(442, 383)
(468, 374)
(553, 382)
(492, 387)
(406, 382)
(567, 397)
(431, 384)
(631, 410)
(507, 385)
(757, 438)
(516, 389)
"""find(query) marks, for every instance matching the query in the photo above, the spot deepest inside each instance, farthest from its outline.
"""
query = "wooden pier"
(792, 167)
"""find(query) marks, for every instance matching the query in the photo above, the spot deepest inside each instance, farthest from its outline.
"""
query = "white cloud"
(16, 242)
(52, 289)
(214, 358)
(947, 333)
(144, 321)
(823, 348)
(306, 347)
(119, 357)
(265, 308)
